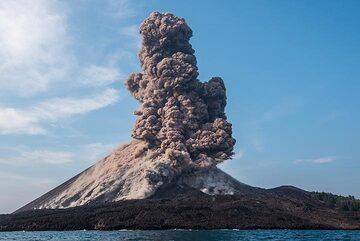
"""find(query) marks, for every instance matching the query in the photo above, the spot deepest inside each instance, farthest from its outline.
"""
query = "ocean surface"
(185, 235)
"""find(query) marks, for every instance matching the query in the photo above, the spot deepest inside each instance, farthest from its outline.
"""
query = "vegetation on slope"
(349, 203)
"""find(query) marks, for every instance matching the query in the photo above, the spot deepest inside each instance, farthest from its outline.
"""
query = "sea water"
(185, 235)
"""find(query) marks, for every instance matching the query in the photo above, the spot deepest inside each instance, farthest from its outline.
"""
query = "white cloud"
(30, 121)
(99, 76)
(24, 155)
(58, 108)
(13, 121)
(35, 55)
(33, 40)
(37, 48)
(38, 156)
(39, 54)
(321, 160)
(13, 178)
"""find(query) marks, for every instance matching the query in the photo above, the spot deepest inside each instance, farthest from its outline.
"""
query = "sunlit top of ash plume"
(180, 118)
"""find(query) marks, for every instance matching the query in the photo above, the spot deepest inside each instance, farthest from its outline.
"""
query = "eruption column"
(180, 119)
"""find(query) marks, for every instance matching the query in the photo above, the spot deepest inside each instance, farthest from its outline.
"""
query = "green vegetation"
(349, 203)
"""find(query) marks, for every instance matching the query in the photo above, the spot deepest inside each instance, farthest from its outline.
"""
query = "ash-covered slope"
(122, 175)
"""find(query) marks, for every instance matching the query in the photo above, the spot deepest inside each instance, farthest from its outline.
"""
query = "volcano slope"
(205, 199)
(183, 207)
(122, 176)
(167, 177)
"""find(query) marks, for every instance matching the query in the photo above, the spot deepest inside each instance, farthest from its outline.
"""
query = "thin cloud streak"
(321, 160)
(24, 155)
(31, 121)
(99, 76)
(38, 156)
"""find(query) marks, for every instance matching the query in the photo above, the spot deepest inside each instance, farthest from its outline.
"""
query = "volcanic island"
(167, 176)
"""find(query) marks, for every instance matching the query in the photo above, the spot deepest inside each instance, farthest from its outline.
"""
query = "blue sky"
(290, 67)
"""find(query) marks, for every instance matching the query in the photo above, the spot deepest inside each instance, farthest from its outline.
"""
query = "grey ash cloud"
(180, 118)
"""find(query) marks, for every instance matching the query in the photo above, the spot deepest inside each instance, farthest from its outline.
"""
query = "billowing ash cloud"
(180, 118)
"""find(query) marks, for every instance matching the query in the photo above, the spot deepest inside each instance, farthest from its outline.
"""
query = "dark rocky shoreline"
(185, 208)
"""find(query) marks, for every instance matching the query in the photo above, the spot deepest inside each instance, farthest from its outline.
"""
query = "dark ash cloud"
(180, 118)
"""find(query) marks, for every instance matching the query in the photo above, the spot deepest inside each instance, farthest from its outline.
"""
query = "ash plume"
(180, 119)
(181, 129)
